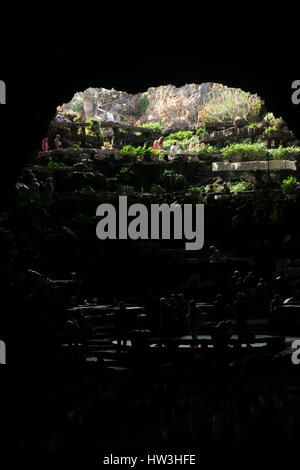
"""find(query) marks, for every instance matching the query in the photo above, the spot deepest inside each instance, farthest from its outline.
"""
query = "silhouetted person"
(235, 277)
(45, 145)
(250, 280)
(215, 254)
(57, 142)
(221, 333)
(276, 302)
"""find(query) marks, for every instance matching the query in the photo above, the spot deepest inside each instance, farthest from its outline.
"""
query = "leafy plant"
(181, 135)
(125, 175)
(56, 164)
(226, 104)
(157, 190)
(93, 128)
(107, 144)
(288, 185)
(184, 139)
(140, 152)
(134, 151)
(207, 151)
(238, 186)
(88, 191)
(172, 180)
(196, 190)
(270, 129)
(253, 125)
(269, 117)
(144, 102)
(154, 127)
(191, 143)
(201, 130)
(77, 105)
(236, 152)
(125, 190)
(284, 153)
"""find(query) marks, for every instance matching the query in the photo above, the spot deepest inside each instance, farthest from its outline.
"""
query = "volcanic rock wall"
(172, 107)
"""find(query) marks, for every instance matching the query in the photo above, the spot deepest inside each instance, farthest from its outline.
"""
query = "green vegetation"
(140, 152)
(144, 102)
(269, 117)
(154, 127)
(284, 153)
(125, 190)
(181, 135)
(196, 190)
(288, 185)
(273, 122)
(253, 125)
(157, 190)
(77, 105)
(201, 130)
(183, 139)
(172, 180)
(248, 152)
(87, 191)
(238, 186)
(207, 151)
(133, 151)
(226, 104)
(125, 175)
(56, 164)
(93, 128)
(270, 129)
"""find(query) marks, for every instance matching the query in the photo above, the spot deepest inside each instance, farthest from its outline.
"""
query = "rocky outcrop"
(171, 106)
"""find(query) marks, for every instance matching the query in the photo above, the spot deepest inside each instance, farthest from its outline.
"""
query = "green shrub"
(207, 151)
(125, 190)
(235, 152)
(270, 129)
(125, 175)
(253, 125)
(196, 190)
(238, 186)
(269, 117)
(140, 152)
(154, 127)
(77, 105)
(226, 104)
(93, 128)
(201, 130)
(192, 143)
(167, 144)
(133, 151)
(172, 180)
(56, 164)
(157, 190)
(144, 102)
(181, 135)
(284, 153)
(88, 191)
(288, 185)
